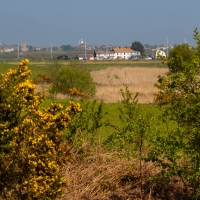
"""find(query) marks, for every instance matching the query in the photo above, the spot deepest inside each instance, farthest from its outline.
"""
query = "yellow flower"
(25, 183)
(26, 61)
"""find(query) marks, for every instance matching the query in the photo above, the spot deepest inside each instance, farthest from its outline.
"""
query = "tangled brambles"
(32, 148)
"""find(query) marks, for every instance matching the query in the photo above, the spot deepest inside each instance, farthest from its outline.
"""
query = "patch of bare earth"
(138, 79)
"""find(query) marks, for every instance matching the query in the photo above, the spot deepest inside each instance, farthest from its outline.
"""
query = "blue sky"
(98, 22)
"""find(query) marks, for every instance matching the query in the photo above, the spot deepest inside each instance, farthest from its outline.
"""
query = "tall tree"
(66, 47)
(137, 46)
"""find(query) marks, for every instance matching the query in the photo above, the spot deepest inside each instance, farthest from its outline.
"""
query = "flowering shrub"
(162, 98)
(74, 92)
(32, 148)
(41, 78)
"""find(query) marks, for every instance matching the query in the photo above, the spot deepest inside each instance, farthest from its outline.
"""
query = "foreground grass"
(111, 115)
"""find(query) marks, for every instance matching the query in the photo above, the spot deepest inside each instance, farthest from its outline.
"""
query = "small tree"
(137, 46)
(66, 47)
(73, 77)
(180, 55)
(132, 137)
(32, 149)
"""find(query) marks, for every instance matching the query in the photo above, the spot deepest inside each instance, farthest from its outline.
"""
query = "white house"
(155, 53)
(100, 55)
(125, 53)
(85, 56)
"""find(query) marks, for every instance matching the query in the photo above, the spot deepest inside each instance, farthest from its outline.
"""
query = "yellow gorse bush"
(32, 148)
(74, 92)
(162, 98)
(41, 78)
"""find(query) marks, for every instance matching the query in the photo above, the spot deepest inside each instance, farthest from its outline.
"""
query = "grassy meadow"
(110, 76)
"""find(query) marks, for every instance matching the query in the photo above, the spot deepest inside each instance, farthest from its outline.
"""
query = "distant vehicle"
(63, 57)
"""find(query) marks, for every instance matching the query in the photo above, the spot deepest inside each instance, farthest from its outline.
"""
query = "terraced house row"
(116, 53)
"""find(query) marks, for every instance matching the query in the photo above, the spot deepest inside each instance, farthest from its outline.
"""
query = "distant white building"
(117, 53)
(155, 53)
(125, 53)
(81, 44)
(7, 49)
(24, 48)
(85, 56)
(100, 55)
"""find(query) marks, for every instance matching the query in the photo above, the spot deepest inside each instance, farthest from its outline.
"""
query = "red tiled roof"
(104, 52)
(123, 50)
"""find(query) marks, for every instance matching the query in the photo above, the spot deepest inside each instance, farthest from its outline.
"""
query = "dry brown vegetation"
(105, 176)
(138, 79)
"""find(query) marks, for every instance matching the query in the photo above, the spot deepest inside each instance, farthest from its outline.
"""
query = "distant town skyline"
(119, 23)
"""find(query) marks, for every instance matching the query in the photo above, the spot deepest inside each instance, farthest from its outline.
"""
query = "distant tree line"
(66, 47)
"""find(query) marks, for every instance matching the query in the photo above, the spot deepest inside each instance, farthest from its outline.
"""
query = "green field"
(110, 112)
(42, 67)
(111, 109)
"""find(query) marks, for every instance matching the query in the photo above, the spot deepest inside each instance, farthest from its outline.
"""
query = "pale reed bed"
(139, 80)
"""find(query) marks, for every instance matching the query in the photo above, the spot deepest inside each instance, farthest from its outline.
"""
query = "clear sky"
(98, 22)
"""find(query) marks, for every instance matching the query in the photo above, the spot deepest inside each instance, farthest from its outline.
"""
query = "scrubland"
(99, 170)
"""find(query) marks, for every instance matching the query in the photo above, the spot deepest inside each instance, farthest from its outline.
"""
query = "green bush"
(180, 55)
(73, 77)
(83, 128)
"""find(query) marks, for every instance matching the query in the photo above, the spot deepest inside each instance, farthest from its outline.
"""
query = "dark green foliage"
(66, 47)
(83, 128)
(180, 55)
(179, 151)
(137, 46)
(73, 77)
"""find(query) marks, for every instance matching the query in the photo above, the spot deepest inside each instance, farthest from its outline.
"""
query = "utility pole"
(85, 51)
(51, 51)
(167, 48)
(18, 52)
